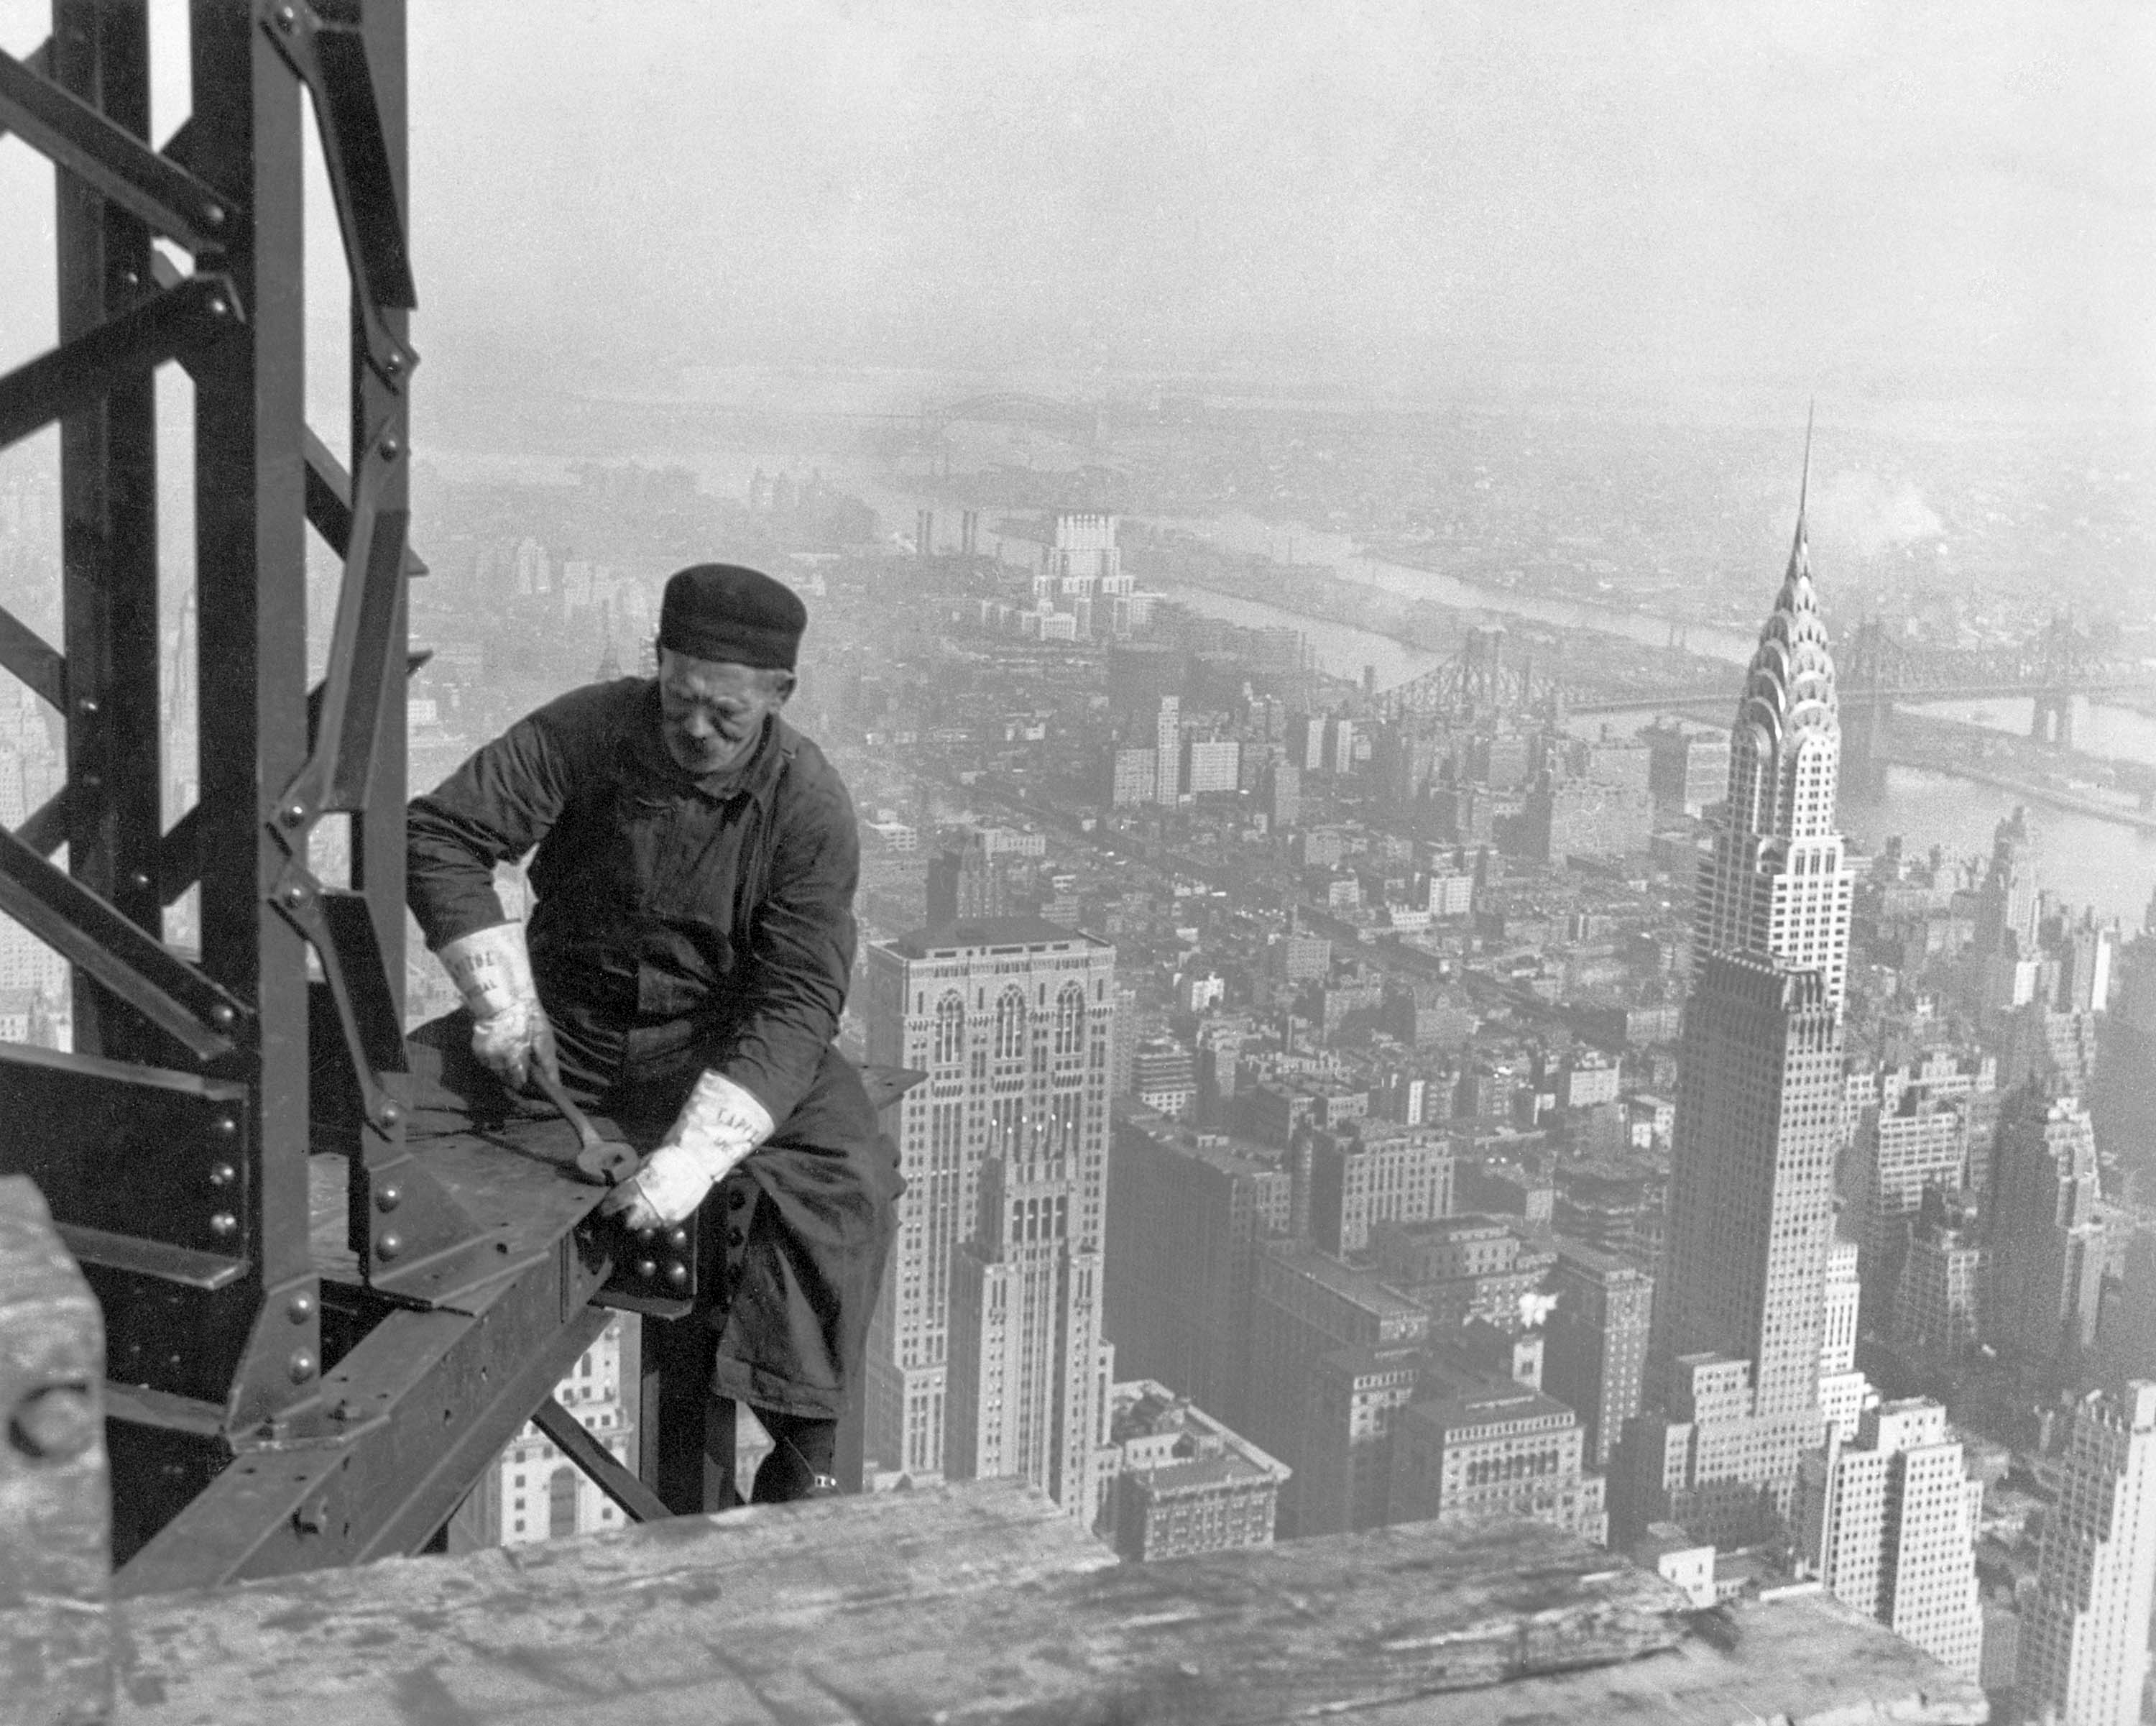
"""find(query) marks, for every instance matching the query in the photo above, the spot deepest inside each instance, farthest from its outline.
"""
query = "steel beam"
(108, 154)
(40, 665)
(124, 959)
(80, 373)
(598, 1464)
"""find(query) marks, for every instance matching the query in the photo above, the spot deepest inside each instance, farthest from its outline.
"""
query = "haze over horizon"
(1695, 203)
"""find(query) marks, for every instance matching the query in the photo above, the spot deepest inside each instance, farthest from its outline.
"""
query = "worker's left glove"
(720, 1123)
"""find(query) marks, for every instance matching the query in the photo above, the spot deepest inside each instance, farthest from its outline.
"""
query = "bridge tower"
(1867, 706)
(2059, 667)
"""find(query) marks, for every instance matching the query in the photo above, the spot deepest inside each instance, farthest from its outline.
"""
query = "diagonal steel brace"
(59, 124)
(135, 965)
(173, 324)
(328, 52)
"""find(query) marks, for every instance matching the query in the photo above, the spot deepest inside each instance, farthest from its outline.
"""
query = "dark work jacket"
(663, 900)
(682, 925)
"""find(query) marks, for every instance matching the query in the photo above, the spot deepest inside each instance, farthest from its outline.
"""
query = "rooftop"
(991, 934)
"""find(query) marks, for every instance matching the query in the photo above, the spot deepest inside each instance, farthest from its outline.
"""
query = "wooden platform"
(980, 1603)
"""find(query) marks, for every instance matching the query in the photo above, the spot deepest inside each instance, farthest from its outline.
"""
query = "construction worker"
(682, 972)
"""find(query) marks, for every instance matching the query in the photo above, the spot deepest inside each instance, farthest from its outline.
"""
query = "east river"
(2085, 861)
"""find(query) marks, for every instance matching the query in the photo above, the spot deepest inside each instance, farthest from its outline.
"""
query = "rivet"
(677, 1273)
(293, 896)
(223, 1124)
(88, 704)
(53, 1423)
(286, 17)
(391, 448)
(214, 214)
(301, 1365)
(223, 1224)
(223, 1175)
(388, 1247)
(388, 1198)
(300, 1308)
(647, 1236)
(646, 1269)
(394, 364)
(138, 879)
(391, 1114)
(221, 1017)
(293, 813)
(677, 1238)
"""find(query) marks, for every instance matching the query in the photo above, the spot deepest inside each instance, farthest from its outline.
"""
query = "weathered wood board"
(55, 1499)
(967, 1604)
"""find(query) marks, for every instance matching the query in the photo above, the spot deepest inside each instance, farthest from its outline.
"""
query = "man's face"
(712, 711)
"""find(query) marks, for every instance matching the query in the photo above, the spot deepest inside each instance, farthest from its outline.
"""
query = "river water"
(2084, 860)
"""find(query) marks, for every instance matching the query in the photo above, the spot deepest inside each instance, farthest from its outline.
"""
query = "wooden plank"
(1805, 1661)
(979, 1602)
(55, 1500)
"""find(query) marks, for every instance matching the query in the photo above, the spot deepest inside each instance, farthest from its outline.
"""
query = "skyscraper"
(1734, 1363)
(1167, 750)
(1596, 1357)
(1011, 1017)
(1889, 1524)
(2043, 1239)
(2084, 1638)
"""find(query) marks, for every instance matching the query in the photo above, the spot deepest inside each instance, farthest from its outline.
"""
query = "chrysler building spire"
(1777, 883)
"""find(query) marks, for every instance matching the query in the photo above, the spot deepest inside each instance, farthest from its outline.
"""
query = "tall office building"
(2085, 1635)
(1595, 1357)
(1167, 750)
(1188, 1215)
(2044, 1257)
(1776, 880)
(1739, 1307)
(1889, 1525)
(1012, 1020)
(1335, 1354)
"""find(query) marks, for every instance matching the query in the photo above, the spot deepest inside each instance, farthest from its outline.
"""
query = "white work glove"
(492, 971)
(718, 1125)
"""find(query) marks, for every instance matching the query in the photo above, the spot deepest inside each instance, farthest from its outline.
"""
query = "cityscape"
(1496, 672)
(1508, 1087)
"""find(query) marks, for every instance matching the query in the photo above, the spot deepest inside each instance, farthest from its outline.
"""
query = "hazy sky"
(1946, 200)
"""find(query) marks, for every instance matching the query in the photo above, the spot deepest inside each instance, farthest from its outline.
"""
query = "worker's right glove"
(492, 971)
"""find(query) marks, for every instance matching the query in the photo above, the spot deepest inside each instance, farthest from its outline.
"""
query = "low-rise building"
(1183, 1483)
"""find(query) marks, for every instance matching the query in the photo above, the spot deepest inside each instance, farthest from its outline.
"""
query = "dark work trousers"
(793, 1243)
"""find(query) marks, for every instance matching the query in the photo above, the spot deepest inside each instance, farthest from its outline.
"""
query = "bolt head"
(677, 1238)
(388, 1247)
(388, 1196)
(300, 1308)
(293, 813)
(222, 1016)
(645, 1268)
(222, 1174)
(53, 1423)
(391, 1114)
(224, 1125)
(677, 1273)
(138, 879)
(218, 308)
(88, 704)
(286, 17)
(213, 215)
(225, 1226)
(293, 896)
(391, 448)
(301, 1365)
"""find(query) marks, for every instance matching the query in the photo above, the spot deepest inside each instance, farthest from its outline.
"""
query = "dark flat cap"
(725, 612)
